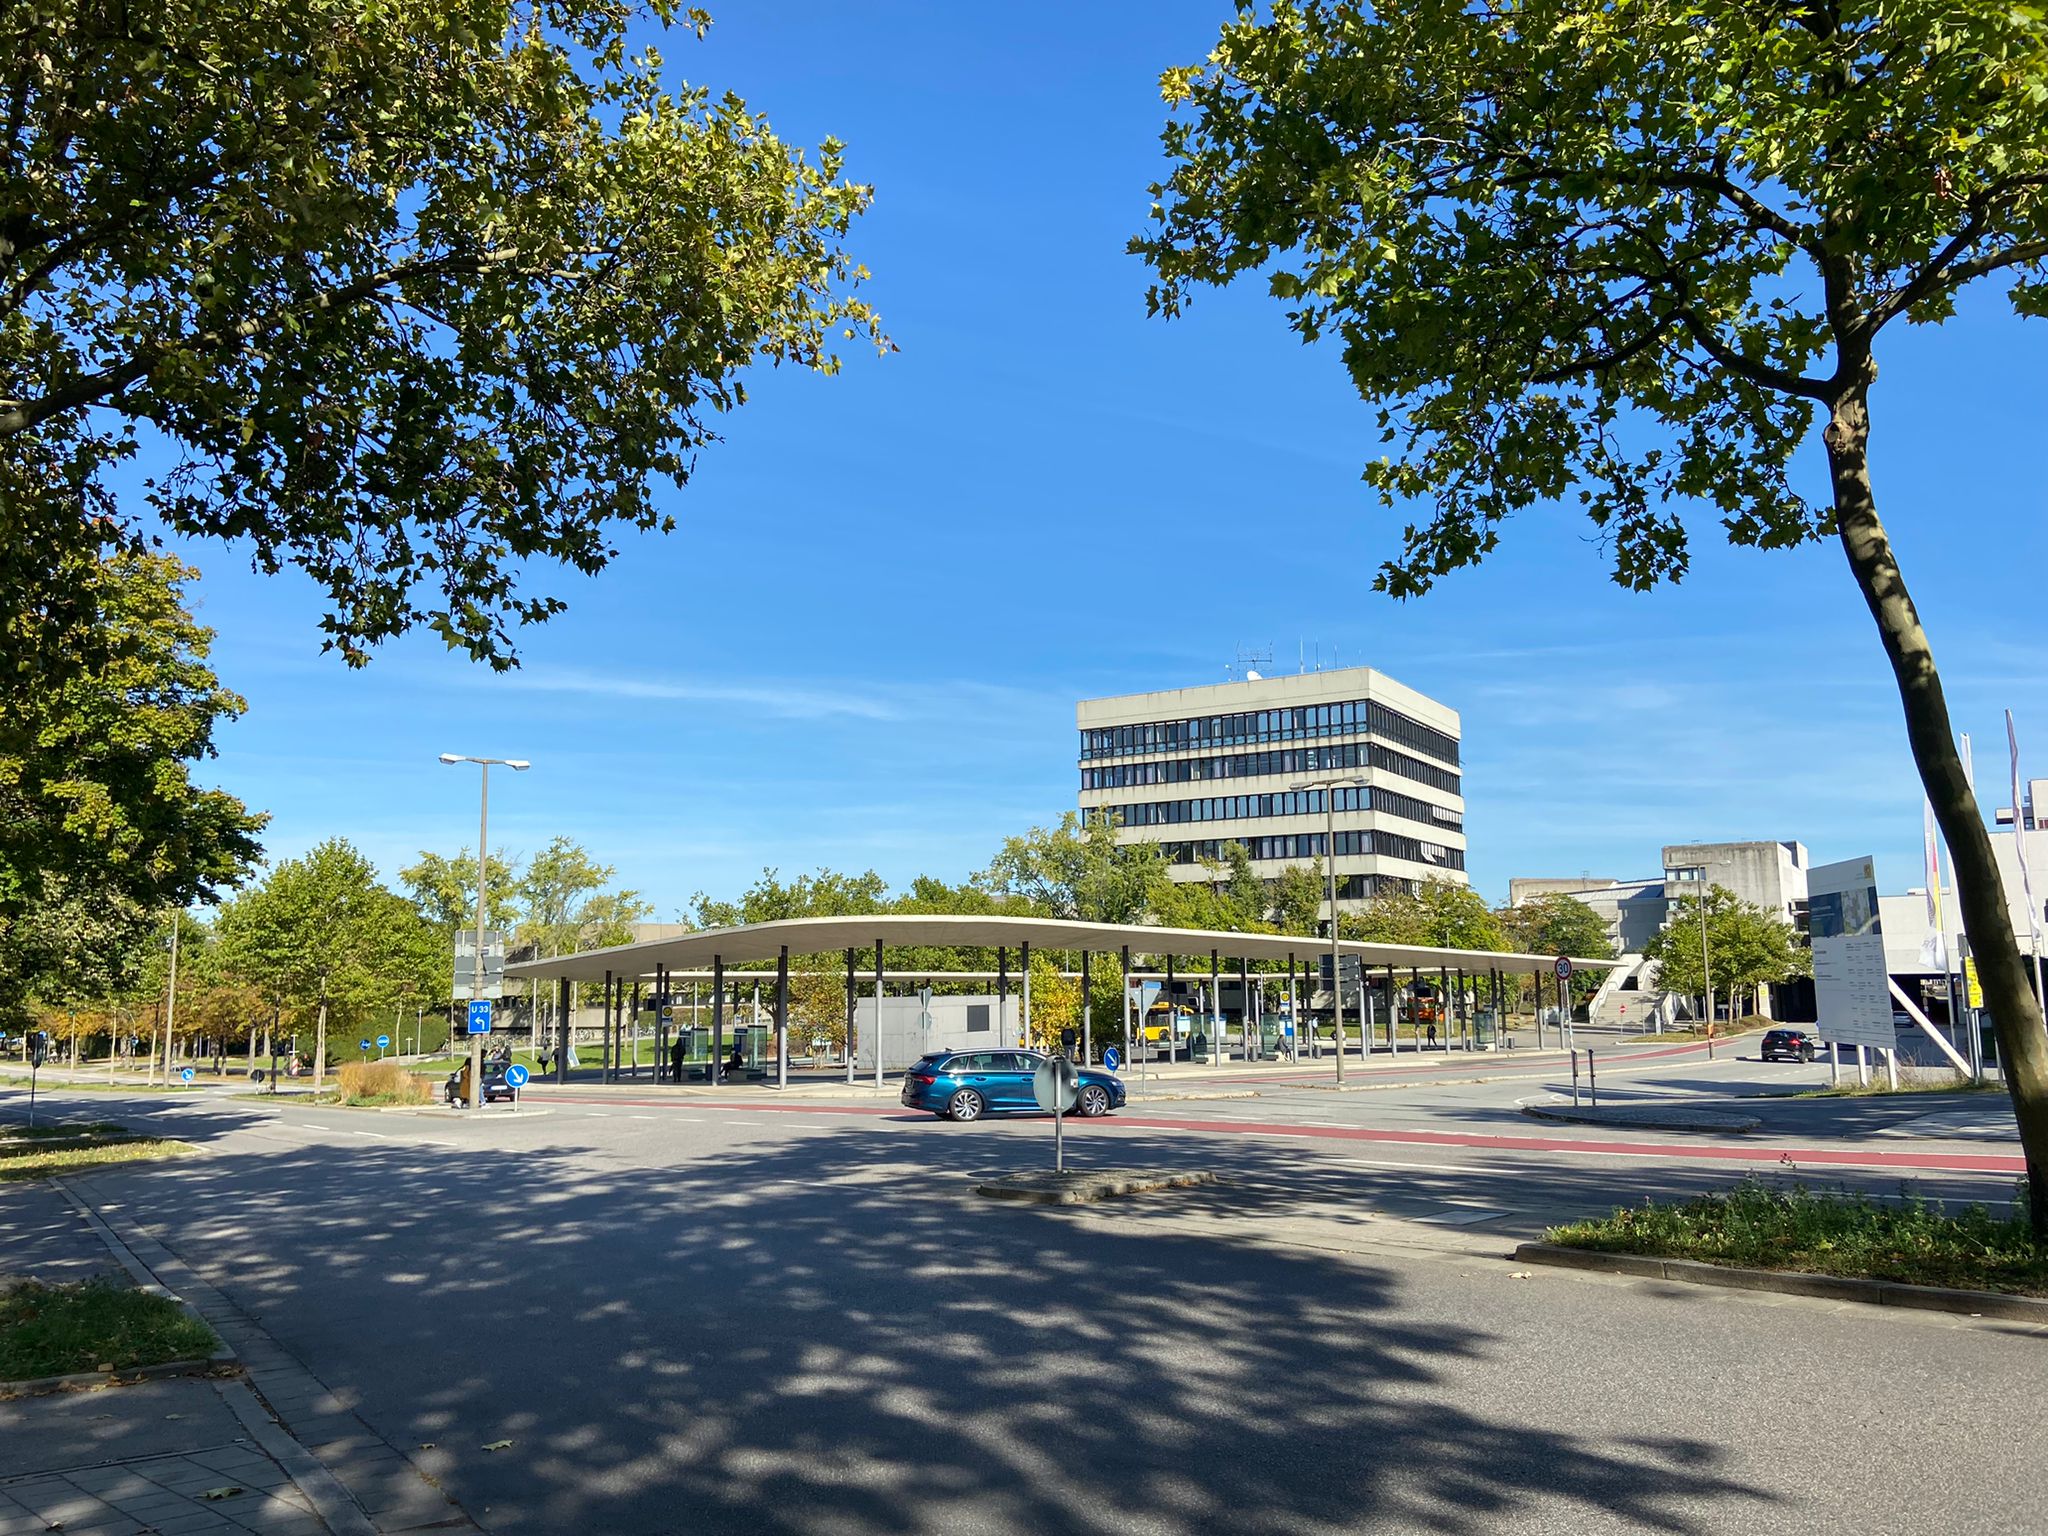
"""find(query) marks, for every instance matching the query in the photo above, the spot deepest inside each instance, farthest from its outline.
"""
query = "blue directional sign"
(516, 1075)
(480, 1016)
(184, 1074)
(383, 1042)
(1112, 1058)
(363, 1044)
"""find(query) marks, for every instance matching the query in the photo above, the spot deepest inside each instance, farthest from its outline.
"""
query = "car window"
(968, 1061)
(1017, 1061)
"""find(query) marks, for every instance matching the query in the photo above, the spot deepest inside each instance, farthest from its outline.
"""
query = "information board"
(1851, 983)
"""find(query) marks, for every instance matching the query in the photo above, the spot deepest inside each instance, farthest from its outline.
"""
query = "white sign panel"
(1850, 981)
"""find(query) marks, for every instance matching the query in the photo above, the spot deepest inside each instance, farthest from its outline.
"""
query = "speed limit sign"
(1563, 968)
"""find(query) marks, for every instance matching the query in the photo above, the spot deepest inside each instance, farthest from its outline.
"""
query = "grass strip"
(1910, 1081)
(1911, 1241)
(58, 1129)
(42, 1164)
(54, 1330)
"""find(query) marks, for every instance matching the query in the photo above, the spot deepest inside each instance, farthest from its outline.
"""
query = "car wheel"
(1094, 1101)
(965, 1105)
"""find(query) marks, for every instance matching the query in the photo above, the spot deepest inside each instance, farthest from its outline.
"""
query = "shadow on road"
(821, 1335)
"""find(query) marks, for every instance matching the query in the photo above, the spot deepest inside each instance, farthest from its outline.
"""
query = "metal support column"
(1244, 999)
(1087, 1015)
(1443, 1004)
(782, 1018)
(1215, 1012)
(1124, 1012)
(1024, 1018)
(604, 1053)
(1294, 1012)
(878, 1013)
(633, 1032)
(849, 1018)
(717, 1072)
(1393, 1008)
(563, 996)
(1172, 1012)
(1002, 992)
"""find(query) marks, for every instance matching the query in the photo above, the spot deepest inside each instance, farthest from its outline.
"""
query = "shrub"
(381, 1082)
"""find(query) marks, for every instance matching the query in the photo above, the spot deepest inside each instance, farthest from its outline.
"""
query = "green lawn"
(1915, 1242)
(55, 1330)
(24, 1161)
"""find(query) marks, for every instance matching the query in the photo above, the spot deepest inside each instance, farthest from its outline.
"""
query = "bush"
(381, 1082)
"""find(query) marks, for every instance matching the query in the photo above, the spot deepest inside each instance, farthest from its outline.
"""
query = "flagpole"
(2019, 848)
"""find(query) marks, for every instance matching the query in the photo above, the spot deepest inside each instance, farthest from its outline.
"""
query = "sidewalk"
(258, 1444)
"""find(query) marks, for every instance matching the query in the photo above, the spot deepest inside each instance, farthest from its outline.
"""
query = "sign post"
(1562, 966)
(515, 1079)
(479, 1026)
(1055, 1085)
(383, 1044)
(38, 1043)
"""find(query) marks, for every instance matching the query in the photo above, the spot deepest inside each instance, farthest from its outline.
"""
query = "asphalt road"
(697, 1314)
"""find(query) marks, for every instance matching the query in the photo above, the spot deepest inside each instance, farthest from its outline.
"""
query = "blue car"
(965, 1085)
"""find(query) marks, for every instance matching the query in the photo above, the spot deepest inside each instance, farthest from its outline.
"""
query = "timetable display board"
(1851, 983)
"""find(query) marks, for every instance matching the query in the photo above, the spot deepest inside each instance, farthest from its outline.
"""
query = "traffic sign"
(363, 1044)
(383, 1042)
(184, 1074)
(1563, 967)
(516, 1075)
(1055, 1085)
(1112, 1058)
(480, 1016)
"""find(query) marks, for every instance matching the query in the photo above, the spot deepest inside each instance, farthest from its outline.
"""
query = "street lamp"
(1706, 971)
(1329, 786)
(483, 844)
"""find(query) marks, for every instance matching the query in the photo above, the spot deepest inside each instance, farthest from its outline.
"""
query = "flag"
(1934, 949)
(2019, 835)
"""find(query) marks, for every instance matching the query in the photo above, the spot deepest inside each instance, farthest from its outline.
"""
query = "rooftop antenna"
(1249, 660)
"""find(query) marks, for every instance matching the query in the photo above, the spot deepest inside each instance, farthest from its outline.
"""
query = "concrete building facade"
(1633, 910)
(1195, 769)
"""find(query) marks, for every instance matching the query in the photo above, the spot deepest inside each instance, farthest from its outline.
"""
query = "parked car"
(1789, 1045)
(496, 1089)
(965, 1085)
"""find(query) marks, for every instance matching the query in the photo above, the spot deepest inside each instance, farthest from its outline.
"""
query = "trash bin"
(1198, 1047)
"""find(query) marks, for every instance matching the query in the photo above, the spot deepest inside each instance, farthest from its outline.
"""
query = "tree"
(444, 889)
(1299, 894)
(1554, 924)
(1437, 914)
(1079, 870)
(1746, 947)
(1635, 250)
(416, 297)
(322, 935)
(101, 825)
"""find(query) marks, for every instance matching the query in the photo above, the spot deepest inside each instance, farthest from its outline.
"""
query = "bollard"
(1575, 1079)
(1592, 1082)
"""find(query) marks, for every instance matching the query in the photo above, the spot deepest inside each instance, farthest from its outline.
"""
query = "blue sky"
(864, 643)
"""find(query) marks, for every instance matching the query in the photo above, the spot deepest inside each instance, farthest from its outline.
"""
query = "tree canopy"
(1630, 252)
(101, 826)
(415, 296)
(1438, 913)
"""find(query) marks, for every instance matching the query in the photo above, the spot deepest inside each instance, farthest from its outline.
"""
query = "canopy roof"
(754, 942)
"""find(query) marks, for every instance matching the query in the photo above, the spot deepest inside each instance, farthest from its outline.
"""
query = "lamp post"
(1329, 787)
(483, 844)
(1706, 971)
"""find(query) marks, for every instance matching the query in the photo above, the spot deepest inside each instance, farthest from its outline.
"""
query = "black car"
(496, 1089)
(1789, 1045)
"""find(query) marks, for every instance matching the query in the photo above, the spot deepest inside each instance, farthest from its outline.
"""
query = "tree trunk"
(320, 1048)
(2015, 1013)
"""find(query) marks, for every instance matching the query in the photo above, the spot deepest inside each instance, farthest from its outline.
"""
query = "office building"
(1196, 769)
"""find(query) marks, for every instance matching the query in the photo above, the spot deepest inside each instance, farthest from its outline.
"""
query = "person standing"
(676, 1054)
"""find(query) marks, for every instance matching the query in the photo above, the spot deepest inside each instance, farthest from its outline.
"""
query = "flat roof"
(755, 942)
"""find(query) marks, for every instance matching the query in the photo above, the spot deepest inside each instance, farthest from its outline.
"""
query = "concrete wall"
(1771, 875)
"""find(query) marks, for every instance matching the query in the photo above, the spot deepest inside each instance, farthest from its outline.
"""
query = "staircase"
(1630, 999)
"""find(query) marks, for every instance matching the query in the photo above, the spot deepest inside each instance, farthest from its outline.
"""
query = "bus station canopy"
(753, 943)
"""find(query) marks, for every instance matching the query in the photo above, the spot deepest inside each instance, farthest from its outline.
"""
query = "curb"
(42, 1386)
(145, 1280)
(1708, 1122)
(1787, 1282)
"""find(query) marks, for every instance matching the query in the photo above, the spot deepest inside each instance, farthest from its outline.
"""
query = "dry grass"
(381, 1082)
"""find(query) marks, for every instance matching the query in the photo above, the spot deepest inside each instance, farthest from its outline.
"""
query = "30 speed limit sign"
(1563, 968)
